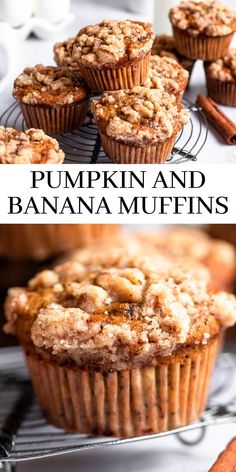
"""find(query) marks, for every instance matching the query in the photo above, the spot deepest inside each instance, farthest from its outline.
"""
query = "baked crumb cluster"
(141, 114)
(208, 17)
(63, 53)
(163, 46)
(225, 68)
(116, 313)
(168, 72)
(31, 147)
(112, 41)
(45, 84)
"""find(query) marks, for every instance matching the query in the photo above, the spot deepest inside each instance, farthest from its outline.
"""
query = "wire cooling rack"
(83, 146)
(25, 434)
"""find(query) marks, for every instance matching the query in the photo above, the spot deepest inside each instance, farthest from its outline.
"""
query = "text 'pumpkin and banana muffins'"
(202, 29)
(122, 348)
(221, 79)
(31, 147)
(55, 99)
(139, 126)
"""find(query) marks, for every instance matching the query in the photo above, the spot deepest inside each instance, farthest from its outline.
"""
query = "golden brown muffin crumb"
(225, 68)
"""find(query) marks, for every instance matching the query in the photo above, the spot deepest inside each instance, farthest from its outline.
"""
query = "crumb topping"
(63, 54)
(113, 312)
(167, 72)
(30, 147)
(225, 68)
(113, 42)
(164, 46)
(49, 85)
(208, 17)
(140, 115)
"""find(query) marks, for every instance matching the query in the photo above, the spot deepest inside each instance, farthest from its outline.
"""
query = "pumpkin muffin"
(138, 126)
(164, 46)
(221, 79)
(114, 54)
(55, 99)
(169, 73)
(31, 147)
(123, 350)
(202, 29)
(63, 54)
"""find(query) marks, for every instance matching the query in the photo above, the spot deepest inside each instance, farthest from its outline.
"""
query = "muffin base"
(55, 120)
(121, 153)
(222, 92)
(129, 402)
(124, 77)
(201, 47)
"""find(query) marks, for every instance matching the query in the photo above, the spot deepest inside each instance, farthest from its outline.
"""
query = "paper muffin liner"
(201, 47)
(55, 120)
(121, 153)
(39, 242)
(127, 76)
(221, 91)
(128, 402)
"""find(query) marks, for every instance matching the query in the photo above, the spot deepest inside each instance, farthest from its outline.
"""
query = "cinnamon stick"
(225, 126)
(226, 461)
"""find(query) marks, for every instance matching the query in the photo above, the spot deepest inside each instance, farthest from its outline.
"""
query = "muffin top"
(113, 42)
(168, 72)
(206, 17)
(140, 115)
(164, 46)
(63, 54)
(31, 147)
(48, 85)
(225, 68)
(112, 316)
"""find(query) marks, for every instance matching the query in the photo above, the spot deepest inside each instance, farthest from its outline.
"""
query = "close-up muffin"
(55, 99)
(114, 54)
(31, 147)
(202, 29)
(63, 54)
(139, 126)
(124, 350)
(169, 73)
(164, 46)
(221, 79)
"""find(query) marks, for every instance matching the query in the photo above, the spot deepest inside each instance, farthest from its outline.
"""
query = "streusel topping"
(49, 85)
(167, 72)
(117, 314)
(63, 54)
(208, 17)
(140, 115)
(225, 68)
(113, 42)
(31, 147)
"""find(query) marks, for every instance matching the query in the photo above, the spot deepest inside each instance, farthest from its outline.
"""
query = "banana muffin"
(168, 72)
(30, 147)
(202, 29)
(63, 54)
(221, 79)
(139, 126)
(114, 54)
(164, 46)
(55, 99)
(123, 350)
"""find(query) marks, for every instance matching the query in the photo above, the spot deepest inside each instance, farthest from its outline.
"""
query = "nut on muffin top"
(139, 115)
(30, 147)
(167, 72)
(48, 85)
(113, 42)
(119, 315)
(225, 68)
(63, 53)
(206, 17)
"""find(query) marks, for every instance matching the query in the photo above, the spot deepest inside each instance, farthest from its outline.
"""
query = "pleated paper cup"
(121, 153)
(221, 91)
(127, 402)
(39, 242)
(126, 76)
(55, 119)
(201, 47)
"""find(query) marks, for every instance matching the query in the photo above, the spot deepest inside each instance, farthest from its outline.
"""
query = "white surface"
(34, 51)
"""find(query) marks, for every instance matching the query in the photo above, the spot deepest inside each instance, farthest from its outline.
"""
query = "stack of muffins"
(121, 339)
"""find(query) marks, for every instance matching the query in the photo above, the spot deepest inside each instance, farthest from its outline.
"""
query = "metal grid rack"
(83, 146)
(25, 434)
